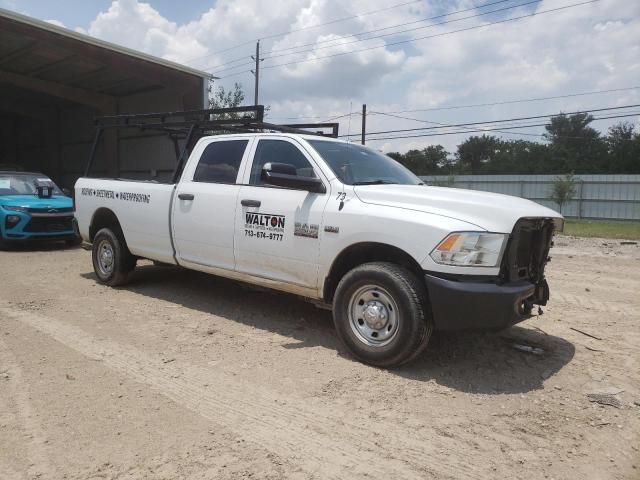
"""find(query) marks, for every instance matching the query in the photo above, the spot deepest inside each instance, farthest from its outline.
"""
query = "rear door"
(205, 204)
(277, 229)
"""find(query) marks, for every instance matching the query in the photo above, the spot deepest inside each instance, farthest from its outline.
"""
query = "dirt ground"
(182, 375)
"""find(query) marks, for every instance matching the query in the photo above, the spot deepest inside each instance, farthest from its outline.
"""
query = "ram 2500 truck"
(337, 223)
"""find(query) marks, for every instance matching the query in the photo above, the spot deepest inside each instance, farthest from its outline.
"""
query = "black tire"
(107, 245)
(408, 323)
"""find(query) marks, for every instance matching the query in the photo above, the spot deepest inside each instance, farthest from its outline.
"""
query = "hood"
(33, 201)
(493, 212)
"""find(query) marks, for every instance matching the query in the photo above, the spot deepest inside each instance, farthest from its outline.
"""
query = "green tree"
(428, 161)
(563, 189)
(476, 151)
(574, 145)
(623, 145)
(435, 159)
(518, 157)
(221, 98)
(412, 160)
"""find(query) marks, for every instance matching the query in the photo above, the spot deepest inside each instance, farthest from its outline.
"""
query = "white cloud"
(590, 47)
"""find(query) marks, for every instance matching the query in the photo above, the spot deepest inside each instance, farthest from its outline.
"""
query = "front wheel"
(380, 313)
(112, 261)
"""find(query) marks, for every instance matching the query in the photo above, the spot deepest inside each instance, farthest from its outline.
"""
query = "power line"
(423, 38)
(330, 22)
(315, 49)
(311, 117)
(511, 124)
(399, 137)
(444, 125)
(503, 120)
(378, 30)
(454, 20)
(391, 113)
(506, 102)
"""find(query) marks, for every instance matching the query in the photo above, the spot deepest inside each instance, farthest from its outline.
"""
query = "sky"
(318, 64)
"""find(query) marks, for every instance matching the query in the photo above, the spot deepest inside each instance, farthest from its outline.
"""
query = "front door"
(277, 229)
(205, 205)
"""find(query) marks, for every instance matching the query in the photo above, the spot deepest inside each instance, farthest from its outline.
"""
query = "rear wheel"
(381, 313)
(112, 261)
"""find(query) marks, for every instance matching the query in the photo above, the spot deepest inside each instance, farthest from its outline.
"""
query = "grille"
(528, 250)
(49, 225)
(50, 210)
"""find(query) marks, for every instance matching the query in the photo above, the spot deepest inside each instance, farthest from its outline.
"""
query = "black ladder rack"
(191, 125)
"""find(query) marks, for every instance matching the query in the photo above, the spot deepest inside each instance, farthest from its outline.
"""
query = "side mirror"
(67, 192)
(285, 175)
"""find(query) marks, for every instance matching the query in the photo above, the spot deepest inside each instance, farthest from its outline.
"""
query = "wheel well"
(104, 218)
(366, 252)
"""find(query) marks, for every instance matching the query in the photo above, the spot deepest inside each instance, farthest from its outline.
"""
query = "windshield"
(358, 165)
(25, 184)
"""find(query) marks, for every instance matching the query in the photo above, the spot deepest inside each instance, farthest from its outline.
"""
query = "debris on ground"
(604, 399)
(593, 349)
(628, 243)
(584, 333)
(70, 377)
(528, 349)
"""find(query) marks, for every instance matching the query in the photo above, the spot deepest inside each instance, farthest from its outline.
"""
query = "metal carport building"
(54, 81)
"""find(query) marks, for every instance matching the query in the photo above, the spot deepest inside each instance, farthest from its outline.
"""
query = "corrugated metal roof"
(101, 43)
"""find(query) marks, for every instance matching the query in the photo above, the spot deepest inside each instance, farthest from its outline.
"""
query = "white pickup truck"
(337, 223)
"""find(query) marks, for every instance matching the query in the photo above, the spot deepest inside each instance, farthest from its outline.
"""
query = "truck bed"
(143, 209)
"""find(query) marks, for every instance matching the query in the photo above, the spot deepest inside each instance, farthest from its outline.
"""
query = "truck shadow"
(39, 246)
(473, 362)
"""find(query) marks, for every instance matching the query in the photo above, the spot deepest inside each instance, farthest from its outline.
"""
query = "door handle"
(250, 203)
(186, 196)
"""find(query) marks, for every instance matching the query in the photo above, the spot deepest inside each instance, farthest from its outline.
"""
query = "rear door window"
(220, 161)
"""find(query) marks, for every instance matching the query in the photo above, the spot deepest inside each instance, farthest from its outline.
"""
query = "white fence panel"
(611, 197)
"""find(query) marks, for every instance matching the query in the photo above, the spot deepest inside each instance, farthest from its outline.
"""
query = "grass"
(602, 229)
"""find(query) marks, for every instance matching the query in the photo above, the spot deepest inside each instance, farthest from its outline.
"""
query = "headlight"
(14, 209)
(470, 249)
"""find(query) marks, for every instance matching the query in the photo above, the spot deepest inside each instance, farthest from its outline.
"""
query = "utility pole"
(256, 72)
(364, 122)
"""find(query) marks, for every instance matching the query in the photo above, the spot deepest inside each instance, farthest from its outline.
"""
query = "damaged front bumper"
(462, 305)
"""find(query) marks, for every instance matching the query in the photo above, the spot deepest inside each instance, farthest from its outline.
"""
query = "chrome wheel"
(105, 258)
(373, 315)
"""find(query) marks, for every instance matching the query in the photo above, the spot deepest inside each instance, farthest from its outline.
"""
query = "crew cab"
(33, 207)
(334, 222)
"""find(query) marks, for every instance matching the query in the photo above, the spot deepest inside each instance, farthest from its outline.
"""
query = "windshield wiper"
(376, 182)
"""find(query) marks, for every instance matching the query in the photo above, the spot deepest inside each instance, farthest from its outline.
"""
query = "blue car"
(32, 207)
